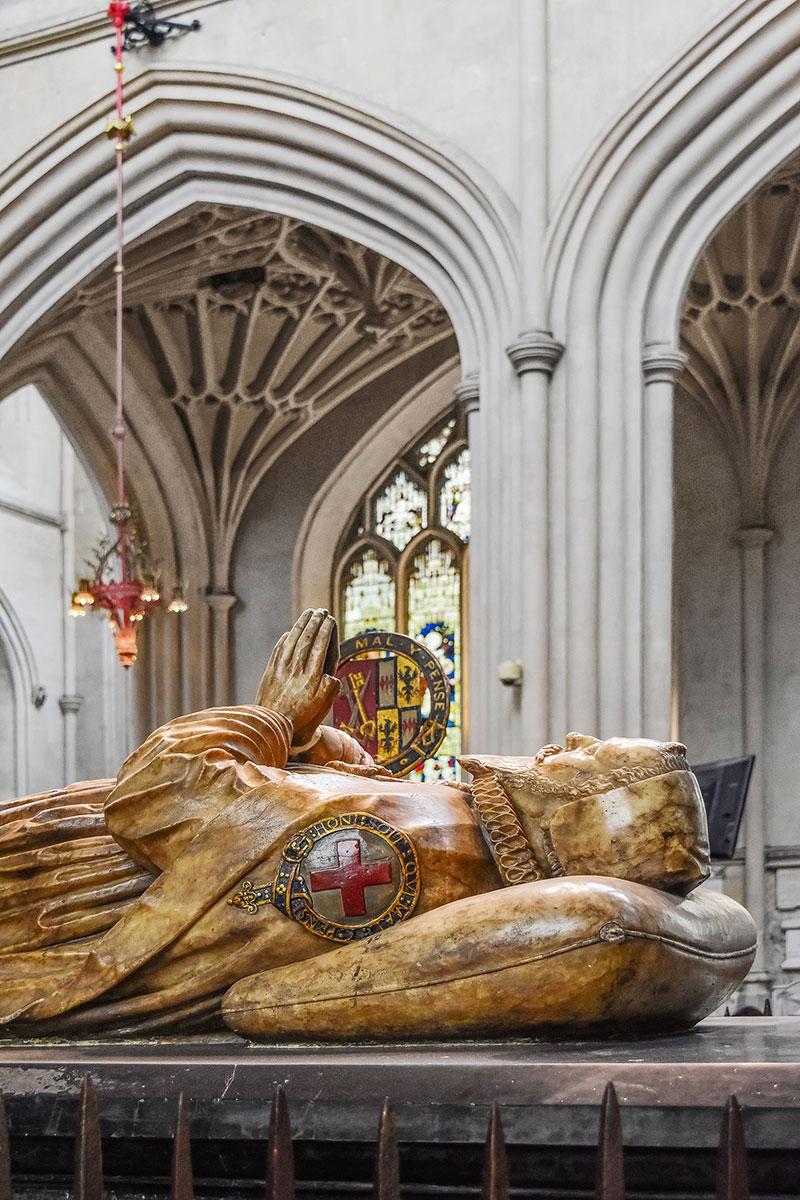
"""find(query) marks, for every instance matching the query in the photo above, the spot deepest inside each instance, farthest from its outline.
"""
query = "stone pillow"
(566, 956)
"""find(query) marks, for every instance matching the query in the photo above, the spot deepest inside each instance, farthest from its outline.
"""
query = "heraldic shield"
(386, 679)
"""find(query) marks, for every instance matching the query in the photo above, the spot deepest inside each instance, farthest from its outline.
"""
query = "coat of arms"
(394, 698)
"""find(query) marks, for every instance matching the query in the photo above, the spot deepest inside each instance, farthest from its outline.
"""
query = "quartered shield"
(385, 681)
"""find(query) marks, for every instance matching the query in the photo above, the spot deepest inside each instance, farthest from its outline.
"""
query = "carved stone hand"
(297, 681)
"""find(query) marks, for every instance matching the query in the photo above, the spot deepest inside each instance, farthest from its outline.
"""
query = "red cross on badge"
(351, 877)
(332, 901)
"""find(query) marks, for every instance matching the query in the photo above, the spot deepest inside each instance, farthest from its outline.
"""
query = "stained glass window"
(454, 496)
(368, 595)
(416, 589)
(401, 510)
(430, 450)
(434, 617)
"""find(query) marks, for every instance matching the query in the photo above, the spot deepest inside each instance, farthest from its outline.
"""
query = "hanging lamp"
(124, 583)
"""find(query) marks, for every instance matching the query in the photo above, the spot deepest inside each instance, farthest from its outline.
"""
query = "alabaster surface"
(553, 895)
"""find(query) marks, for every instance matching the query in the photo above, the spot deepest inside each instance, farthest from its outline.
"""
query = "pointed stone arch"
(24, 681)
(272, 144)
(620, 252)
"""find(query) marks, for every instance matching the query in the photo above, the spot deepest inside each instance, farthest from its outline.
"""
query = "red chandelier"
(126, 600)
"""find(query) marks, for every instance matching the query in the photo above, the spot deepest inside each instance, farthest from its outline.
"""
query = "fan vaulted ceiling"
(242, 328)
(740, 328)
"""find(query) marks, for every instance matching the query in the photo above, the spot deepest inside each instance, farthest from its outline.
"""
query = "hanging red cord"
(125, 600)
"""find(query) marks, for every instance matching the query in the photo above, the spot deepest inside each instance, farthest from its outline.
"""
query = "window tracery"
(402, 565)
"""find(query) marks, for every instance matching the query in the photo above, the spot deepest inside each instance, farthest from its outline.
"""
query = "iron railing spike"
(280, 1156)
(610, 1176)
(387, 1158)
(733, 1175)
(88, 1147)
(494, 1184)
(181, 1179)
(5, 1154)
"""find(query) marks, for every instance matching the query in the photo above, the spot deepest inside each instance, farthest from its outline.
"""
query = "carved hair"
(669, 757)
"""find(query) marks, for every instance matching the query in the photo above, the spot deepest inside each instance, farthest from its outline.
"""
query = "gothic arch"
(272, 144)
(333, 506)
(621, 248)
(158, 485)
(24, 679)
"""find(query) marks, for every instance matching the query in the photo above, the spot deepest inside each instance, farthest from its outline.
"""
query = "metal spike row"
(280, 1157)
(5, 1154)
(181, 1185)
(610, 1173)
(494, 1185)
(733, 1176)
(387, 1159)
(88, 1148)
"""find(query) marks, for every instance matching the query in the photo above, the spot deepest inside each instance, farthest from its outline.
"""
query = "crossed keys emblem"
(394, 698)
(356, 683)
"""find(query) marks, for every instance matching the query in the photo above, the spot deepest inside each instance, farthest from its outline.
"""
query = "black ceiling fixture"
(143, 27)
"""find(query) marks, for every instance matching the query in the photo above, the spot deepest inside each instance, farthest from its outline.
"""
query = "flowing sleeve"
(187, 773)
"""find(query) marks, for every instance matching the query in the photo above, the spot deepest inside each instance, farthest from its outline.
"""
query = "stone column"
(753, 540)
(70, 707)
(70, 702)
(661, 366)
(220, 604)
(467, 394)
(535, 355)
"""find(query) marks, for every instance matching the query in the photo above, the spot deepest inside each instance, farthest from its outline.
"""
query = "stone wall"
(49, 521)
(709, 667)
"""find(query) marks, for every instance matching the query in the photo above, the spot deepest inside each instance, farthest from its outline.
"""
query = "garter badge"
(343, 878)
(394, 698)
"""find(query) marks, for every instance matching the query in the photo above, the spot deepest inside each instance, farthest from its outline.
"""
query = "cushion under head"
(567, 956)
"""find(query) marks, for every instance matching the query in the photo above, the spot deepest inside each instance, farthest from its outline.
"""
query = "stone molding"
(63, 35)
(535, 350)
(752, 537)
(646, 201)
(266, 142)
(220, 602)
(468, 394)
(70, 705)
(32, 513)
(662, 364)
(314, 560)
(330, 163)
(25, 680)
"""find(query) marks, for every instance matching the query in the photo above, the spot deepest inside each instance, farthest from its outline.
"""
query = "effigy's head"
(625, 807)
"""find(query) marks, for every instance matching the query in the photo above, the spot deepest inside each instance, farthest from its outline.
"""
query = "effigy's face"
(583, 757)
(627, 807)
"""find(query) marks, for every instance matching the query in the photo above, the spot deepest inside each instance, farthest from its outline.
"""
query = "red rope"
(117, 12)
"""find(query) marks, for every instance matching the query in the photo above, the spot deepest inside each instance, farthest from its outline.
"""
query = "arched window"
(403, 563)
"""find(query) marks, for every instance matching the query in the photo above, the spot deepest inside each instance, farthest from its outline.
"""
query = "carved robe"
(114, 900)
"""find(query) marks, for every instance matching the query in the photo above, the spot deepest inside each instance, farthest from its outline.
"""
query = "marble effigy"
(253, 867)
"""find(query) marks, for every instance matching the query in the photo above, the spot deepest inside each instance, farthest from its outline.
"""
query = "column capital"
(70, 704)
(662, 363)
(220, 601)
(535, 350)
(754, 536)
(467, 394)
